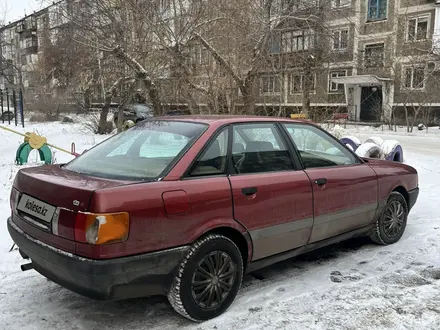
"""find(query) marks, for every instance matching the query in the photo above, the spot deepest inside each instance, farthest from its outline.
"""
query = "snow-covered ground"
(354, 285)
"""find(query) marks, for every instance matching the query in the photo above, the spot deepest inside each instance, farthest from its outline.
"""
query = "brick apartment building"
(384, 57)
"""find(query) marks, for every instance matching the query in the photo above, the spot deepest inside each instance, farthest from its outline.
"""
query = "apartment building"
(370, 58)
(382, 57)
(22, 43)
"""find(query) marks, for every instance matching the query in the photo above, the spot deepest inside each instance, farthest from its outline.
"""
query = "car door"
(345, 189)
(272, 199)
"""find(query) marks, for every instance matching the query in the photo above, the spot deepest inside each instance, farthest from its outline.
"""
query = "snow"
(369, 149)
(353, 285)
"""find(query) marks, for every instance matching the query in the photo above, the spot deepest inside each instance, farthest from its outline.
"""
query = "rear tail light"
(55, 220)
(14, 198)
(99, 229)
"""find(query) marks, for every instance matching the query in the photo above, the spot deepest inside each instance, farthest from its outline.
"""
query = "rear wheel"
(208, 279)
(391, 225)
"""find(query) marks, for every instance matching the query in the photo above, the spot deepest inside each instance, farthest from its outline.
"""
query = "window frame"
(302, 75)
(373, 46)
(336, 6)
(276, 77)
(337, 91)
(416, 19)
(308, 34)
(297, 165)
(378, 6)
(359, 160)
(339, 31)
(187, 174)
(413, 68)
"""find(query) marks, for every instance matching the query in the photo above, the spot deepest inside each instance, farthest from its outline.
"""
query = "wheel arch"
(241, 239)
(403, 191)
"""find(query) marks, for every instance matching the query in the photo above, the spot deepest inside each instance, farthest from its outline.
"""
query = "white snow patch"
(389, 145)
(375, 139)
(369, 150)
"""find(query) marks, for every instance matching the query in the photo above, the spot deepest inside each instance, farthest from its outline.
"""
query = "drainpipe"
(436, 34)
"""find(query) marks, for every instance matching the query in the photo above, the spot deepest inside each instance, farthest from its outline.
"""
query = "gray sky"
(11, 10)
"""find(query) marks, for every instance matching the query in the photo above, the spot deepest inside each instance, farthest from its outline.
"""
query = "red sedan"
(184, 206)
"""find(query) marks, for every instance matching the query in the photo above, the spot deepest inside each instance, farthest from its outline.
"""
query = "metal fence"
(12, 106)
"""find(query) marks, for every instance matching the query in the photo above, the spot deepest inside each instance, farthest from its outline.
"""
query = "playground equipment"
(11, 105)
(33, 141)
(298, 116)
(375, 147)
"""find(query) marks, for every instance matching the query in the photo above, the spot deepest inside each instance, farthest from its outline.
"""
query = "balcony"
(28, 25)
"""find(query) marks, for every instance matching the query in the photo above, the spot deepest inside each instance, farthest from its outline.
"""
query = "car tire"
(206, 261)
(389, 228)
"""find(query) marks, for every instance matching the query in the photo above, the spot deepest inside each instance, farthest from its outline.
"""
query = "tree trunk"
(248, 103)
(104, 114)
(416, 115)
(142, 74)
(102, 129)
(153, 94)
(307, 86)
(407, 119)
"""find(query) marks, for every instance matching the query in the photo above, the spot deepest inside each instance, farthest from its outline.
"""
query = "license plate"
(36, 208)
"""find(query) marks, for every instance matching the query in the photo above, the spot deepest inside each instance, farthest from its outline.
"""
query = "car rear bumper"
(121, 278)
(412, 197)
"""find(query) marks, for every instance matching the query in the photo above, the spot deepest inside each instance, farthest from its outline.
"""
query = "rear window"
(143, 152)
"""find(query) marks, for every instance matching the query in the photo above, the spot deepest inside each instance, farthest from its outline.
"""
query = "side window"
(213, 159)
(317, 149)
(259, 148)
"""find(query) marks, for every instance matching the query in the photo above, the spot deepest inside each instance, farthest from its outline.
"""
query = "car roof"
(218, 120)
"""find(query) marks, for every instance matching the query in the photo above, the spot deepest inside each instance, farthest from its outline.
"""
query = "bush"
(91, 123)
(43, 117)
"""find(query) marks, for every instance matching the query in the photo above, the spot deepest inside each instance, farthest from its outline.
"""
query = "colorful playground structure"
(375, 147)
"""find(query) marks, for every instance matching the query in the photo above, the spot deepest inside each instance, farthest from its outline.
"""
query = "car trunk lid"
(61, 188)
(46, 200)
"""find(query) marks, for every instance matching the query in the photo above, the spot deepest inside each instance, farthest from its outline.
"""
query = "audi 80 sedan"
(185, 206)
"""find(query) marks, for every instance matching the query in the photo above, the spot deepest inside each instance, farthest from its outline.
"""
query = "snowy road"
(354, 285)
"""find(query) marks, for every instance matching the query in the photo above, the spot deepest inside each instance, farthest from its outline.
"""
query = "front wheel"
(391, 225)
(208, 279)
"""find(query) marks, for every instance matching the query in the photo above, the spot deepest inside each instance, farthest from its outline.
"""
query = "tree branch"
(223, 63)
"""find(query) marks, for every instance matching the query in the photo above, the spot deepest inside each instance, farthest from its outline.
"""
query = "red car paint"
(288, 211)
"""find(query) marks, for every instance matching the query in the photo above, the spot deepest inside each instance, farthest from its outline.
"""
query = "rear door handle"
(321, 182)
(249, 191)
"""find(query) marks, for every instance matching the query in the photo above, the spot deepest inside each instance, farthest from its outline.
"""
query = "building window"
(335, 87)
(417, 29)
(374, 55)
(340, 39)
(198, 55)
(377, 9)
(270, 84)
(298, 82)
(340, 3)
(414, 77)
(297, 40)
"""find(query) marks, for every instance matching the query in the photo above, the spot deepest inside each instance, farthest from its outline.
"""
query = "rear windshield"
(143, 152)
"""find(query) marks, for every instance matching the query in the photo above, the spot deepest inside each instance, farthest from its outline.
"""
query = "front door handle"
(249, 191)
(321, 182)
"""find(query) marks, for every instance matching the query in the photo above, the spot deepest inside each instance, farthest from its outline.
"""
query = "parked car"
(185, 206)
(135, 113)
